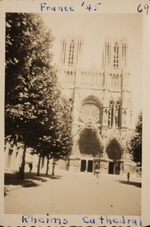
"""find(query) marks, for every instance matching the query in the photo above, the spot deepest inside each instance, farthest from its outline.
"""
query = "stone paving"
(75, 194)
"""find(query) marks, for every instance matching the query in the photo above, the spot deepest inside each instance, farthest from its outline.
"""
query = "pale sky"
(95, 28)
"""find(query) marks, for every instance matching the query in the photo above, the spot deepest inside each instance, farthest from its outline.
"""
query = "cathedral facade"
(101, 106)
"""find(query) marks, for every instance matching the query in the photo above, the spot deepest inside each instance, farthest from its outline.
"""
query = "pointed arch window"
(124, 118)
(110, 81)
(63, 54)
(71, 53)
(117, 114)
(110, 114)
(116, 56)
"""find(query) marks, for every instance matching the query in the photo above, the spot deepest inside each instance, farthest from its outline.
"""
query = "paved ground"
(76, 193)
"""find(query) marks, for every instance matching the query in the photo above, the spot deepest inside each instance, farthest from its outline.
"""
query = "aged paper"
(101, 52)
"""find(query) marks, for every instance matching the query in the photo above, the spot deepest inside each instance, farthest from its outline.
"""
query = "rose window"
(90, 112)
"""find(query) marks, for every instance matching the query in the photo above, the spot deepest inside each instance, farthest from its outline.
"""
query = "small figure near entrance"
(30, 167)
(96, 170)
(128, 176)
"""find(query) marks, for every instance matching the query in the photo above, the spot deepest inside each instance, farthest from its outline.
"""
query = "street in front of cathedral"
(76, 194)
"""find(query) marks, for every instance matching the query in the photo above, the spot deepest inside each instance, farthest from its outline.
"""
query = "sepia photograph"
(73, 114)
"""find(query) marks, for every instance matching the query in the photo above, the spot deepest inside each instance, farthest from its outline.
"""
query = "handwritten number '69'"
(140, 10)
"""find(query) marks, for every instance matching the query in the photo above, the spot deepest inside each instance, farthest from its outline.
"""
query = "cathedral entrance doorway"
(83, 166)
(86, 165)
(89, 143)
(114, 168)
(114, 153)
(90, 166)
(111, 168)
(89, 147)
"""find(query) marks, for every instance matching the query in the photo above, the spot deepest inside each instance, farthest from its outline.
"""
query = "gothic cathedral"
(101, 106)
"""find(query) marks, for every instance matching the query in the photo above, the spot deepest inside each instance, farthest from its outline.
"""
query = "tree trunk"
(39, 164)
(53, 167)
(23, 162)
(47, 167)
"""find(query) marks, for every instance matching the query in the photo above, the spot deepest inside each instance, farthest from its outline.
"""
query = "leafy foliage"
(62, 146)
(35, 113)
(30, 78)
(135, 145)
(59, 145)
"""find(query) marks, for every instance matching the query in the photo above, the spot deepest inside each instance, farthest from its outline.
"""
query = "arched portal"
(113, 151)
(89, 143)
(90, 147)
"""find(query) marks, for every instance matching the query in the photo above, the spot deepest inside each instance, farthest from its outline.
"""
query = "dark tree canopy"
(30, 78)
(35, 113)
(135, 145)
(63, 133)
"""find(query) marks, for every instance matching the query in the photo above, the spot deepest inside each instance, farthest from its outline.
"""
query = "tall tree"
(59, 145)
(62, 147)
(135, 145)
(31, 88)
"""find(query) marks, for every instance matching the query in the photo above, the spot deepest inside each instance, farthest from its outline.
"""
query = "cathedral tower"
(102, 106)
